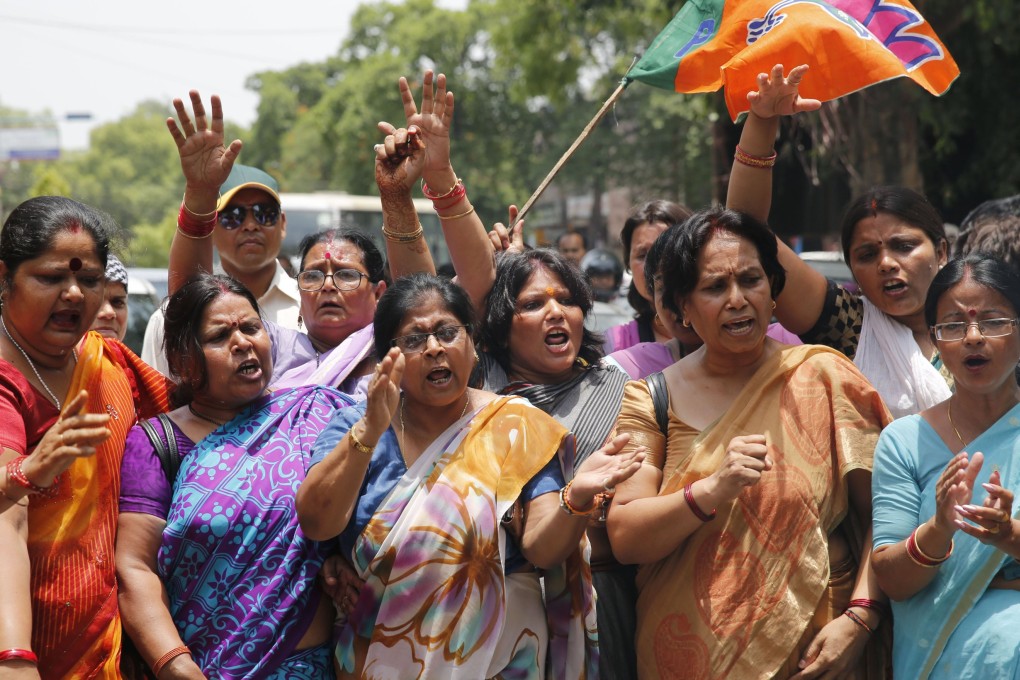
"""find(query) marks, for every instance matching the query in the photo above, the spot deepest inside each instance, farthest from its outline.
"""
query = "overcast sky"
(105, 56)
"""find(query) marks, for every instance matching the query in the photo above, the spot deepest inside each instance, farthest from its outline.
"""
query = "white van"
(310, 213)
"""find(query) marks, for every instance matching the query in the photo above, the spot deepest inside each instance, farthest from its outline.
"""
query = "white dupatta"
(890, 358)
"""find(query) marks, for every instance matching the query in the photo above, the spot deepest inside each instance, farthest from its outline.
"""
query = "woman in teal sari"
(946, 540)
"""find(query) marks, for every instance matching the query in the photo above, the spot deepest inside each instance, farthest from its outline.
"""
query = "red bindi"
(74, 264)
(972, 313)
(329, 255)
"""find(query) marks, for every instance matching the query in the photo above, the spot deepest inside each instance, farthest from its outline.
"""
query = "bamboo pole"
(585, 133)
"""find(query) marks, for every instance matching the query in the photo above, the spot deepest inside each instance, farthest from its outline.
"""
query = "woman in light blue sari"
(946, 539)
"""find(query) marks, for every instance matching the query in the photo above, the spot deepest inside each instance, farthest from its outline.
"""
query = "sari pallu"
(75, 621)
(435, 602)
(735, 599)
(239, 573)
(956, 627)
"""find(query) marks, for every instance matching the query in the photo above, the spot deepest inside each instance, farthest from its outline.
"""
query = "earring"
(773, 304)
(300, 321)
(686, 323)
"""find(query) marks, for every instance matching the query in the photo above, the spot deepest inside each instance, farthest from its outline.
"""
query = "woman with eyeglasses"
(947, 544)
(342, 273)
(448, 501)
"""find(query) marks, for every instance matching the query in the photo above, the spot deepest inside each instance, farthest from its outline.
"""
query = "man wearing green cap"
(249, 230)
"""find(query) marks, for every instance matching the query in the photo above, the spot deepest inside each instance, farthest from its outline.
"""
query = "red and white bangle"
(919, 557)
(17, 475)
(18, 655)
(695, 508)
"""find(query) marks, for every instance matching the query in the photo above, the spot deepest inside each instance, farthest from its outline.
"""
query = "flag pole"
(585, 133)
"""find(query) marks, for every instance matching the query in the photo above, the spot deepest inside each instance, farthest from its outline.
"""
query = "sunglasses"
(265, 214)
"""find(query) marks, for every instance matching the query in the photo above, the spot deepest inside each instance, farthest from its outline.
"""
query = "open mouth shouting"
(742, 326)
(894, 287)
(558, 340)
(975, 362)
(67, 319)
(250, 369)
(439, 376)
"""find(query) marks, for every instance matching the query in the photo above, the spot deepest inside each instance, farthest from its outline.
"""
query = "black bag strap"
(660, 399)
(169, 456)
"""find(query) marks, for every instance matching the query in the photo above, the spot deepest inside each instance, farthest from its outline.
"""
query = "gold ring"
(993, 530)
(608, 489)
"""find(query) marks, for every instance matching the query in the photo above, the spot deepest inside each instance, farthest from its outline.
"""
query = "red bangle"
(192, 226)
(698, 512)
(919, 557)
(17, 475)
(753, 161)
(18, 655)
(162, 661)
(874, 605)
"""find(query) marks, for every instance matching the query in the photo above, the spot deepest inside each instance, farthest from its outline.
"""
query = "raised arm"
(470, 249)
(206, 163)
(398, 164)
(750, 189)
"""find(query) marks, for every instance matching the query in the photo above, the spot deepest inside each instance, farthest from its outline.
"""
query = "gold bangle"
(752, 161)
(403, 237)
(194, 238)
(454, 217)
(202, 216)
(357, 443)
(427, 192)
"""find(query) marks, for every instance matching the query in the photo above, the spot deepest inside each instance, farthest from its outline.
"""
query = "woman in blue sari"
(946, 539)
(216, 577)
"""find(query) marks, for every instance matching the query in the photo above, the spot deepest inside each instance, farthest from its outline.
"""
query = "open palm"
(205, 162)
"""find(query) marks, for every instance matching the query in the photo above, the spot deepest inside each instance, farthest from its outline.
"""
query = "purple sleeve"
(143, 486)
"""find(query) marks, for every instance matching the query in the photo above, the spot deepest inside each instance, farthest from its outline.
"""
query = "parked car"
(143, 299)
(830, 264)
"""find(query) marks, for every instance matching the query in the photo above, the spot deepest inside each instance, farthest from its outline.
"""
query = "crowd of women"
(447, 479)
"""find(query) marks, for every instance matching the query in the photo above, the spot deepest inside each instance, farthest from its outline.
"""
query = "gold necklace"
(463, 411)
(949, 410)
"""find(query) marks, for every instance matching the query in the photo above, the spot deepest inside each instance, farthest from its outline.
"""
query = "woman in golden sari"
(750, 515)
(66, 404)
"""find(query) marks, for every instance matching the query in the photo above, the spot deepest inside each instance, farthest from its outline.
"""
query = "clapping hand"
(779, 96)
(954, 489)
(206, 163)
(383, 396)
(604, 469)
(992, 521)
(76, 434)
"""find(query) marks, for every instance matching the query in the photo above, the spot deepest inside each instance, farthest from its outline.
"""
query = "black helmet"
(602, 263)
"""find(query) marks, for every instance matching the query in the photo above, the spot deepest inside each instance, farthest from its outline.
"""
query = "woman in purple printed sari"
(217, 578)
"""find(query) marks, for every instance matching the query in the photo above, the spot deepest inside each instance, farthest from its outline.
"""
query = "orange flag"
(849, 44)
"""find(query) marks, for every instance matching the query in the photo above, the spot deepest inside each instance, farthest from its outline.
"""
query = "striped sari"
(75, 621)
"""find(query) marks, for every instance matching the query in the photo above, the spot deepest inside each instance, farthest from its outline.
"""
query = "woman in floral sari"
(445, 501)
(945, 550)
(66, 404)
(217, 578)
(749, 518)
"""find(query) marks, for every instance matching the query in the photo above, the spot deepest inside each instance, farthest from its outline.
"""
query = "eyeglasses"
(343, 279)
(416, 342)
(265, 214)
(989, 328)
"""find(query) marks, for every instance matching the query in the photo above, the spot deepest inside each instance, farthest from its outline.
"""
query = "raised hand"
(508, 240)
(204, 160)
(76, 434)
(433, 120)
(383, 396)
(779, 96)
(399, 160)
(604, 469)
(743, 465)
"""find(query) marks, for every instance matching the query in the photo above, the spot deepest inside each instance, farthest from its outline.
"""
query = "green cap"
(247, 177)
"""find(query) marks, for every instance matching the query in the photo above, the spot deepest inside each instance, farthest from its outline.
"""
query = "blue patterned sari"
(239, 573)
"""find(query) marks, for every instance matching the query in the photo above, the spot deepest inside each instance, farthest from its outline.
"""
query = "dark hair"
(984, 269)
(370, 255)
(992, 228)
(182, 330)
(905, 204)
(679, 260)
(662, 212)
(31, 227)
(513, 271)
(584, 241)
(409, 292)
(666, 241)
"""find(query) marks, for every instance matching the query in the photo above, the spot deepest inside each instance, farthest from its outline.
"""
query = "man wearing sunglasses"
(249, 231)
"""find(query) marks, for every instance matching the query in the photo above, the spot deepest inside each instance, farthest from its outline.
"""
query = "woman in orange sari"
(66, 404)
(750, 515)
